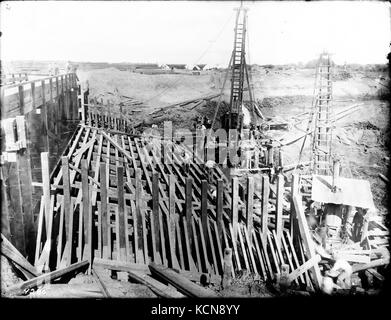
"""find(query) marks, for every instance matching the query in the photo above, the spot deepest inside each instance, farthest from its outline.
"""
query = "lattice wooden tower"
(322, 139)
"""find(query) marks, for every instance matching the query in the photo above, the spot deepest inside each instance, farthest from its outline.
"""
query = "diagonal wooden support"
(307, 240)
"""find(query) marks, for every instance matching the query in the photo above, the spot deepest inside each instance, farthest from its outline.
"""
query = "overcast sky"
(193, 32)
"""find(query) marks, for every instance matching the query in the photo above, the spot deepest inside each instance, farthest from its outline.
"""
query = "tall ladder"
(238, 61)
(322, 139)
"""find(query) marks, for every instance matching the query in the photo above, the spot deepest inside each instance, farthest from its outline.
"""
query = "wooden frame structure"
(37, 116)
(112, 198)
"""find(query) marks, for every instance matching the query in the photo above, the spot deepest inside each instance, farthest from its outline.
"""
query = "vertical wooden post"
(44, 119)
(279, 206)
(33, 95)
(21, 100)
(138, 221)
(155, 216)
(292, 215)
(46, 187)
(51, 89)
(235, 198)
(204, 210)
(227, 268)
(171, 206)
(5, 217)
(68, 212)
(256, 158)
(219, 208)
(265, 201)
(121, 213)
(103, 208)
(270, 156)
(250, 204)
(87, 211)
(189, 208)
(15, 201)
(281, 158)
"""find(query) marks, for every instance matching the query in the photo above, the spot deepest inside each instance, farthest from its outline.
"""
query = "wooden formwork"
(37, 116)
(113, 199)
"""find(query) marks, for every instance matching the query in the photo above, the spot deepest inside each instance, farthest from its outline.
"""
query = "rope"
(220, 97)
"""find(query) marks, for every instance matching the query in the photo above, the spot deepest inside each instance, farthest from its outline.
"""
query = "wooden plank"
(234, 210)
(273, 251)
(105, 217)
(265, 201)
(157, 287)
(68, 212)
(250, 250)
(226, 282)
(219, 208)
(219, 248)
(138, 222)
(304, 267)
(180, 247)
(171, 207)
(48, 211)
(99, 231)
(21, 100)
(13, 254)
(171, 241)
(278, 248)
(19, 288)
(182, 284)
(162, 239)
(292, 216)
(259, 254)
(189, 208)
(291, 248)
(46, 187)
(243, 248)
(204, 211)
(203, 244)
(123, 221)
(155, 228)
(289, 255)
(60, 235)
(100, 280)
(32, 95)
(238, 265)
(39, 231)
(120, 265)
(87, 211)
(279, 206)
(195, 242)
(307, 240)
(250, 204)
(373, 264)
(188, 247)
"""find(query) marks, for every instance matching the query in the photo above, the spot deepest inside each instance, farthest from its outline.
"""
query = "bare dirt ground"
(360, 139)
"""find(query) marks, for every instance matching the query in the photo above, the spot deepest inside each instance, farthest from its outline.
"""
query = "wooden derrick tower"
(239, 73)
(322, 138)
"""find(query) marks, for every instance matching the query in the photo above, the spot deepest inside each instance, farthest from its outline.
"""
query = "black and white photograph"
(194, 149)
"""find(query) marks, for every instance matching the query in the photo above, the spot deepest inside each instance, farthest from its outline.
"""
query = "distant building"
(177, 66)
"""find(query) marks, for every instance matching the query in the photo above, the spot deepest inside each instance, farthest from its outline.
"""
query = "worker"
(186, 162)
(342, 272)
(209, 165)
